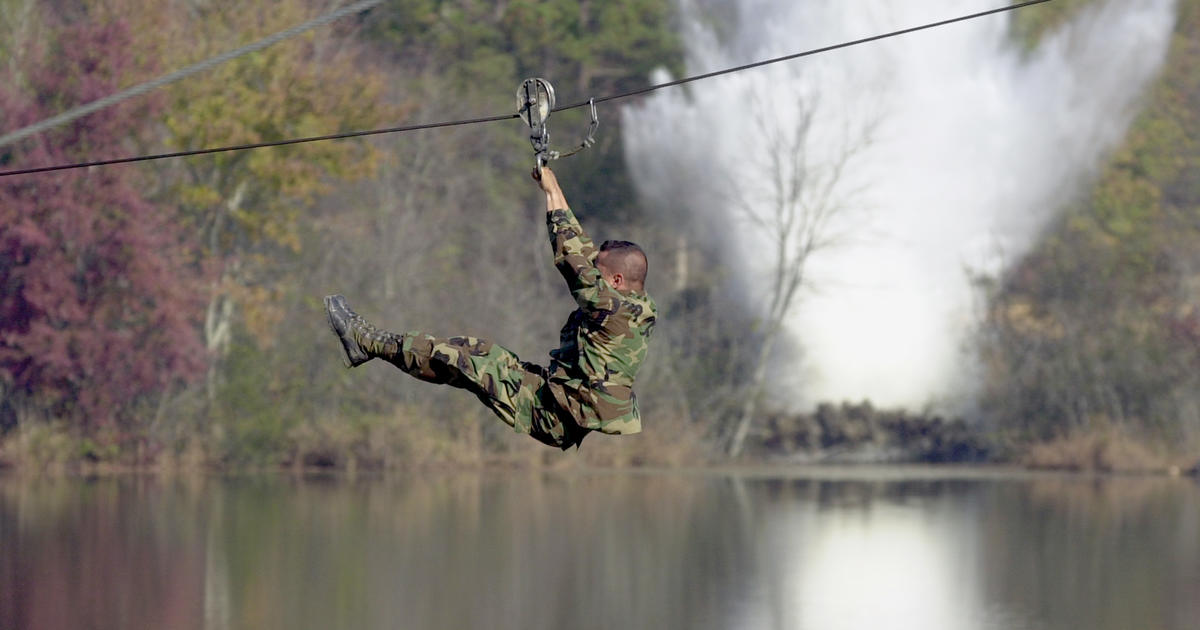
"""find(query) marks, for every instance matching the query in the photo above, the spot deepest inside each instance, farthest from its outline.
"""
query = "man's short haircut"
(627, 259)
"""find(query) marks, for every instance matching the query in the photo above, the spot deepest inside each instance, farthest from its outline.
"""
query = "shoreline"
(877, 471)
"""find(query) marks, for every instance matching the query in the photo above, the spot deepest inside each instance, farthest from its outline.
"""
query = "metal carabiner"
(588, 140)
(592, 126)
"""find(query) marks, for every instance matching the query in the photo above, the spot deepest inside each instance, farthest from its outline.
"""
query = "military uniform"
(589, 383)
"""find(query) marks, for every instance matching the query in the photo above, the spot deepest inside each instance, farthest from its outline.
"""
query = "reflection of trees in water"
(64, 543)
(593, 550)
(587, 550)
(841, 494)
(1096, 552)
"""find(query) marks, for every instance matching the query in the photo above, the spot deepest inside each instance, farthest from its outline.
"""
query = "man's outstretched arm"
(555, 199)
(574, 252)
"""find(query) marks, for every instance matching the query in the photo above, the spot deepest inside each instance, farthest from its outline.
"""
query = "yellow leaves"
(262, 312)
(1123, 202)
(250, 204)
(307, 86)
(1023, 318)
(283, 234)
(190, 195)
(259, 301)
(247, 207)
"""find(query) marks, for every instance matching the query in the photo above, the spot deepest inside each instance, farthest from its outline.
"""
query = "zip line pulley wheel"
(535, 102)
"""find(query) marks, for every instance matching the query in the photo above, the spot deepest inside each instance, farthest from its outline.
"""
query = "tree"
(1098, 327)
(97, 305)
(19, 26)
(482, 50)
(795, 209)
(245, 207)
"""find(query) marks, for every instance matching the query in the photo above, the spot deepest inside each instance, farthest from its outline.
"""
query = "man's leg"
(514, 390)
(479, 366)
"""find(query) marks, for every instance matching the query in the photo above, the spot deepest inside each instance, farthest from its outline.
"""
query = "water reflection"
(602, 550)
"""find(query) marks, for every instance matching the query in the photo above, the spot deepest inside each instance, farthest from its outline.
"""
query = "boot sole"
(346, 360)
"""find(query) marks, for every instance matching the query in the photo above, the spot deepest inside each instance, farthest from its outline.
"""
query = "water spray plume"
(972, 144)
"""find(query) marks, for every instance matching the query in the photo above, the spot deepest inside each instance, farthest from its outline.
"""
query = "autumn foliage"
(175, 304)
(98, 300)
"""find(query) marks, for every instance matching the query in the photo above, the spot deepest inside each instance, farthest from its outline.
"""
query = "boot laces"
(368, 332)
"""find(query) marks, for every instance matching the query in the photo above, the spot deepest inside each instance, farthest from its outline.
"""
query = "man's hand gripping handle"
(555, 199)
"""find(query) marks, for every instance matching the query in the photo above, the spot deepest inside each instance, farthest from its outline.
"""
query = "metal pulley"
(535, 102)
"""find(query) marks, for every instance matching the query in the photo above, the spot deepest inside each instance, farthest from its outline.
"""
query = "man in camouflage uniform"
(589, 383)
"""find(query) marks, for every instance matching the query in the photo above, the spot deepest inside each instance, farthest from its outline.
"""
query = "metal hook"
(593, 126)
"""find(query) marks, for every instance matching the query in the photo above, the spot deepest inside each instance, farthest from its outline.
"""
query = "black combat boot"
(361, 341)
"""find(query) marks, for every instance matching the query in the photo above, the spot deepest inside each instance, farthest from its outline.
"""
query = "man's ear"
(618, 279)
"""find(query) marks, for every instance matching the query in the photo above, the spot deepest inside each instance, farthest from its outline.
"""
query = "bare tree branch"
(805, 199)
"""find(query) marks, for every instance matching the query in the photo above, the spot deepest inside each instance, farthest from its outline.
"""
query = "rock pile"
(861, 433)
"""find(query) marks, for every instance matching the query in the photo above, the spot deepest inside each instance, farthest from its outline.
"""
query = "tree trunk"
(217, 322)
(218, 317)
(750, 404)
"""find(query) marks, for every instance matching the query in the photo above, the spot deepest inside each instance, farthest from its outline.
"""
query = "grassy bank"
(405, 439)
(417, 439)
(1109, 450)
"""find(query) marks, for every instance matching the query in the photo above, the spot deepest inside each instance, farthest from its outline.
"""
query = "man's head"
(623, 265)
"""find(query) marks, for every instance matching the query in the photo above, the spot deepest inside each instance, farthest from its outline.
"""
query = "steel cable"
(471, 121)
(182, 73)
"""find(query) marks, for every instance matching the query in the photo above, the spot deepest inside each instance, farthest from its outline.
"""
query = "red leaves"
(98, 298)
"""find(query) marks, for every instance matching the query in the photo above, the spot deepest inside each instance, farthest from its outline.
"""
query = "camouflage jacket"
(603, 343)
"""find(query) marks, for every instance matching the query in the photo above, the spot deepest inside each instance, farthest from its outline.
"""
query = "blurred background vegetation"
(201, 324)
(1097, 332)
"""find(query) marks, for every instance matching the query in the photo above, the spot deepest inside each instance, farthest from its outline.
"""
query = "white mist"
(978, 144)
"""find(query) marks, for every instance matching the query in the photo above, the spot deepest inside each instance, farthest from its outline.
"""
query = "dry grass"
(667, 442)
(40, 447)
(1105, 450)
(405, 438)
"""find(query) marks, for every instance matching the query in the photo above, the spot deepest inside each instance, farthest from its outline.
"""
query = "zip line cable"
(807, 53)
(182, 73)
(472, 121)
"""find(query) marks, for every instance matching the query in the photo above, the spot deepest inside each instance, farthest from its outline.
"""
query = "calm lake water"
(856, 548)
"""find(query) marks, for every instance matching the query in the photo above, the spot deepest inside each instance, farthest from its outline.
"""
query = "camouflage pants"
(517, 391)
